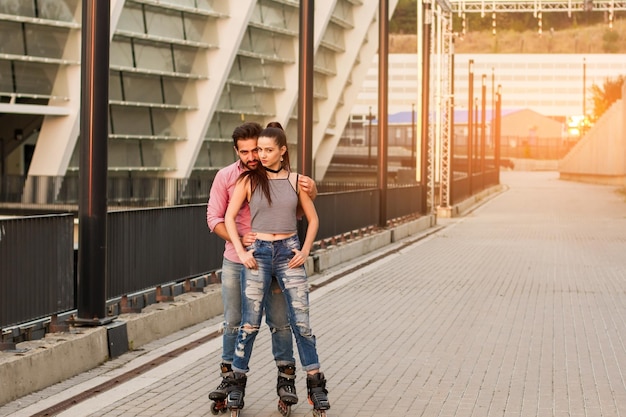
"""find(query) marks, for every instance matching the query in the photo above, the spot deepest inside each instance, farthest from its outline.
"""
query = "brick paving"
(516, 309)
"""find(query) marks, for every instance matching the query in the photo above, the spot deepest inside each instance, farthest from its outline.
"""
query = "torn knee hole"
(248, 328)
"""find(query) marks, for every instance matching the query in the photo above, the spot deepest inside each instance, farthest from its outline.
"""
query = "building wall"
(550, 84)
(600, 156)
(529, 123)
(183, 75)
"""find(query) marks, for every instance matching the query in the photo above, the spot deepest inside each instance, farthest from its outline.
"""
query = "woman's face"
(269, 152)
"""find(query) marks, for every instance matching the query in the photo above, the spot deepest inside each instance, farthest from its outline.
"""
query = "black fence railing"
(36, 267)
(346, 211)
(146, 249)
(463, 187)
(151, 247)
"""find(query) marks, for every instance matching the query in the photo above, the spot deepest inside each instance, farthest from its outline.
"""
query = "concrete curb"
(56, 357)
(469, 204)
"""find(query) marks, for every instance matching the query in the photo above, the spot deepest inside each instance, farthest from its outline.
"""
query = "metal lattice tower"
(525, 6)
(439, 16)
(445, 106)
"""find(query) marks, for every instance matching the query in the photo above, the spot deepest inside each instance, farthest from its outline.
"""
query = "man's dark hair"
(246, 131)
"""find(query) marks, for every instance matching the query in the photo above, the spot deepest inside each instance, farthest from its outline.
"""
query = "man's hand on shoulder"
(307, 184)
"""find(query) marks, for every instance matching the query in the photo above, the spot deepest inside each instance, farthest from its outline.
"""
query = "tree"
(603, 97)
(404, 19)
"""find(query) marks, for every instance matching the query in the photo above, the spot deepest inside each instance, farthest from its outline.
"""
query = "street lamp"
(582, 130)
(470, 123)
(413, 138)
(369, 118)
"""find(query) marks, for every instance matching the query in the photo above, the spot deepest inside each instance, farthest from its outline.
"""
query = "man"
(276, 312)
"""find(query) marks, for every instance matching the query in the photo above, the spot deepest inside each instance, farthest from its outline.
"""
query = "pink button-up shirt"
(219, 197)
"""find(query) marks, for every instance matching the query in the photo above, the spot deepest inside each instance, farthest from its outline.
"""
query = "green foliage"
(603, 97)
(404, 19)
(610, 41)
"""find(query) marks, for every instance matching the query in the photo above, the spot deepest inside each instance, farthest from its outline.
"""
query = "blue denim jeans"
(275, 310)
(272, 258)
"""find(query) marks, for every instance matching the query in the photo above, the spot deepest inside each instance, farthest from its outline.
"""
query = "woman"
(273, 197)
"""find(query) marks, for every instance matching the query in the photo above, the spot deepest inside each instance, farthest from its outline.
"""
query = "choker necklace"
(274, 171)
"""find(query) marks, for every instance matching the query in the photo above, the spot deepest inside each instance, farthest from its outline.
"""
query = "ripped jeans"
(272, 258)
(276, 316)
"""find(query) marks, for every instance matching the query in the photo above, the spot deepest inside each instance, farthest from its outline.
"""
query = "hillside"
(598, 39)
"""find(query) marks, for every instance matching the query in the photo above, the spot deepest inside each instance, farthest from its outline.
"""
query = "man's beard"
(252, 167)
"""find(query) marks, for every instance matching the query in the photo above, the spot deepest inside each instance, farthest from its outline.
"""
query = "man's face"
(248, 153)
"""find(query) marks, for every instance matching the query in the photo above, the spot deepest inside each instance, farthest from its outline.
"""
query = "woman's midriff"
(273, 236)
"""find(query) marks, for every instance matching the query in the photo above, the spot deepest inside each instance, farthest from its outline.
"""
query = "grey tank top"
(280, 217)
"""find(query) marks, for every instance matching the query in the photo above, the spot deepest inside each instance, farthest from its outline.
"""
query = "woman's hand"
(247, 259)
(299, 257)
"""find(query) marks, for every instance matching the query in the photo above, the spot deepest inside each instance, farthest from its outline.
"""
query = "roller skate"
(219, 394)
(318, 398)
(236, 393)
(286, 389)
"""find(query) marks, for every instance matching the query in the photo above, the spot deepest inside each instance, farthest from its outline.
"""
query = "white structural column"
(216, 63)
(287, 99)
(59, 134)
(352, 67)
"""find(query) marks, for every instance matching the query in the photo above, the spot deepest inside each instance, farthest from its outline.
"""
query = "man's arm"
(217, 204)
(220, 230)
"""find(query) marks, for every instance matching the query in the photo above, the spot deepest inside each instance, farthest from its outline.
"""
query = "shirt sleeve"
(218, 202)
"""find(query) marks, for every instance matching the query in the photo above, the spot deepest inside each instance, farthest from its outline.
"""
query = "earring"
(281, 159)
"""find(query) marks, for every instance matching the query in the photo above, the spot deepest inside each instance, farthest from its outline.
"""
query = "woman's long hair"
(258, 176)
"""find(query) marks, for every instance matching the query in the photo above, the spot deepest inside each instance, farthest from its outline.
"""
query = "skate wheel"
(284, 409)
(234, 412)
(218, 407)
(319, 413)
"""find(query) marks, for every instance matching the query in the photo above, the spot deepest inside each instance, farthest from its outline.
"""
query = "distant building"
(549, 84)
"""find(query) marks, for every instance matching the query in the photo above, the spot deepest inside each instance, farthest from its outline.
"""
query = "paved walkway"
(517, 309)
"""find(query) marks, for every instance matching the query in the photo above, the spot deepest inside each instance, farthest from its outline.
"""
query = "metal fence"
(36, 267)
(151, 247)
(146, 249)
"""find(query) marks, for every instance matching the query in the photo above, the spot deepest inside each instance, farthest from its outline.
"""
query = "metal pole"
(413, 138)
(425, 105)
(493, 105)
(92, 210)
(305, 97)
(476, 144)
(582, 130)
(483, 125)
(470, 124)
(370, 117)
(383, 111)
(497, 133)
(584, 86)
(305, 89)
